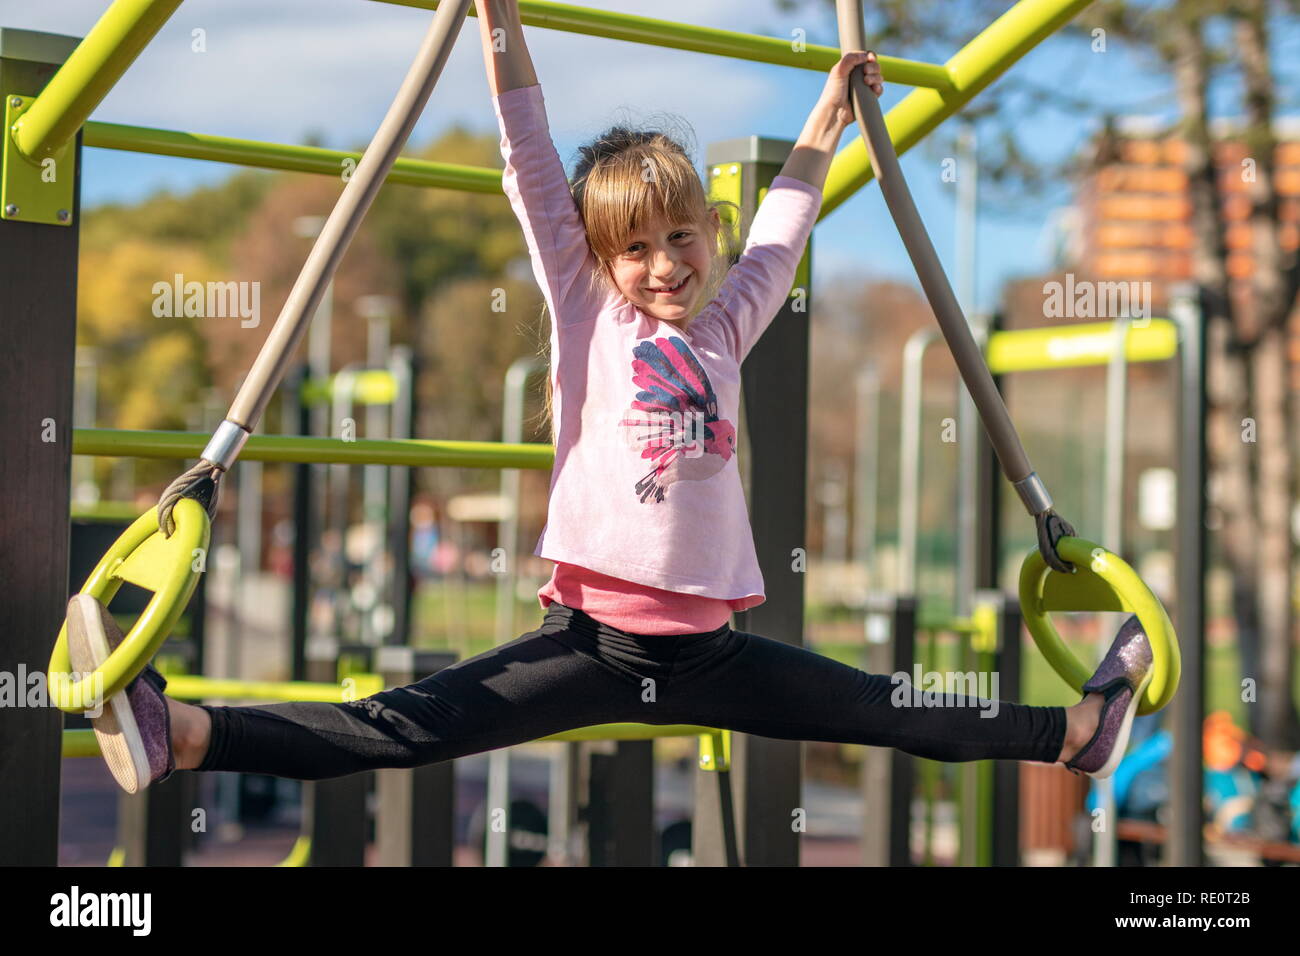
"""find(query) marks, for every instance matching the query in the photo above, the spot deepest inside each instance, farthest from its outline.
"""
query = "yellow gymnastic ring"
(144, 557)
(1101, 582)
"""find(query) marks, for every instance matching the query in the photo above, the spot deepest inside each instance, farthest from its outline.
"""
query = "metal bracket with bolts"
(34, 189)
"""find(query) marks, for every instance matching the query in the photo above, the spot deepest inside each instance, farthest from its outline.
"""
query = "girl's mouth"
(671, 290)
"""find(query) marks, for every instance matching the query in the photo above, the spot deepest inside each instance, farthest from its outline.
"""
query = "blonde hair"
(624, 179)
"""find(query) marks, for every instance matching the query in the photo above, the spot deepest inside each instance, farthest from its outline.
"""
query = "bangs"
(635, 188)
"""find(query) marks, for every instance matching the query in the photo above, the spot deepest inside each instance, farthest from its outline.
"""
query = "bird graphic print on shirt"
(674, 422)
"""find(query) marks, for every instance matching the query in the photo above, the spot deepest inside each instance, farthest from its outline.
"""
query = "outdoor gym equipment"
(1066, 573)
(170, 567)
(41, 288)
(143, 557)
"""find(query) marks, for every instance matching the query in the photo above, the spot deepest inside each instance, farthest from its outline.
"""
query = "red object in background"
(280, 562)
(1226, 745)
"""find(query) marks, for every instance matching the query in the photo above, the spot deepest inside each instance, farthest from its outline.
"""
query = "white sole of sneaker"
(1121, 741)
(115, 728)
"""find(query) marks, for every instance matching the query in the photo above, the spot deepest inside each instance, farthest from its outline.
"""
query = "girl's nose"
(663, 264)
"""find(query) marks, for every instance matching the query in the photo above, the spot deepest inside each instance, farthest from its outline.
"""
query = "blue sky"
(281, 71)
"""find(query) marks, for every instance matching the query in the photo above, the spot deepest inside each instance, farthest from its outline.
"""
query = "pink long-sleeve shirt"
(647, 520)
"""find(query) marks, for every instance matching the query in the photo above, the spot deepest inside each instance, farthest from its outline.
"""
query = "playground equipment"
(44, 126)
(1115, 345)
(1066, 573)
(201, 482)
(1087, 577)
(376, 607)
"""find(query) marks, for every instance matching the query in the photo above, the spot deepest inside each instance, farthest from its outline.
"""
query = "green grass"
(448, 616)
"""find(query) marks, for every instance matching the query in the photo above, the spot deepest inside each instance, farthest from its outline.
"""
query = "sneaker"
(134, 728)
(1121, 678)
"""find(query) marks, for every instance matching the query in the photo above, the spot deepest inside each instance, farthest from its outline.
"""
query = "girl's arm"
(533, 178)
(758, 284)
(509, 67)
(811, 157)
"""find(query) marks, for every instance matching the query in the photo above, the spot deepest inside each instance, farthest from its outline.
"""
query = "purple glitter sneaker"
(1121, 679)
(134, 729)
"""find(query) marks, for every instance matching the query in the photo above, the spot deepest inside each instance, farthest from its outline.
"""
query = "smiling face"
(665, 267)
(649, 223)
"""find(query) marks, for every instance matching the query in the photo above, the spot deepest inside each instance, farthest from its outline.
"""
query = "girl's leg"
(760, 686)
(553, 679)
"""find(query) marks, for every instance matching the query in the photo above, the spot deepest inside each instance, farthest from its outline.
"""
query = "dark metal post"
(416, 808)
(1187, 710)
(767, 773)
(334, 811)
(38, 315)
(619, 808)
(154, 826)
(303, 485)
(151, 824)
(888, 775)
(401, 485)
(1006, 773)
(988, 568)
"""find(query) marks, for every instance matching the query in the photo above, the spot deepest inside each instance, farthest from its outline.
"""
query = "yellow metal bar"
(780, 51)
(81, 743)
(286, 156)
(972, 68)
(89, 73)
(190, 687)
(628, 732)
(415, 452)
(300, 854)
(1088, 343)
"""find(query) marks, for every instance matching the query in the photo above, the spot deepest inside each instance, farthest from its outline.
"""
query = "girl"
(647, 522)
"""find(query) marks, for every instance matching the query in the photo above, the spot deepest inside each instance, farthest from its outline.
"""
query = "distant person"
(424, 541)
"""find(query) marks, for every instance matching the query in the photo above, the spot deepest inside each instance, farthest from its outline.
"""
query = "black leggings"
(574, 671)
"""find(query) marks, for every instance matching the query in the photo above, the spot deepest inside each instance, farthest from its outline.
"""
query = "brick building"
(1132, 215)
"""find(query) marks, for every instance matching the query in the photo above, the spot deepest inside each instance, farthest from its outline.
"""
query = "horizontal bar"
(372, 386)
(681, 36)
(1088, 343)
(82, 743)
(954, 625)
(972, 68)
(88, 74)
(194, 687)
(628, 732)
(106, 511)
(303, 159)
(412, 452)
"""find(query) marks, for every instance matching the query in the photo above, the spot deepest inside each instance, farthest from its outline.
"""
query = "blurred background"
(1154, 144)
